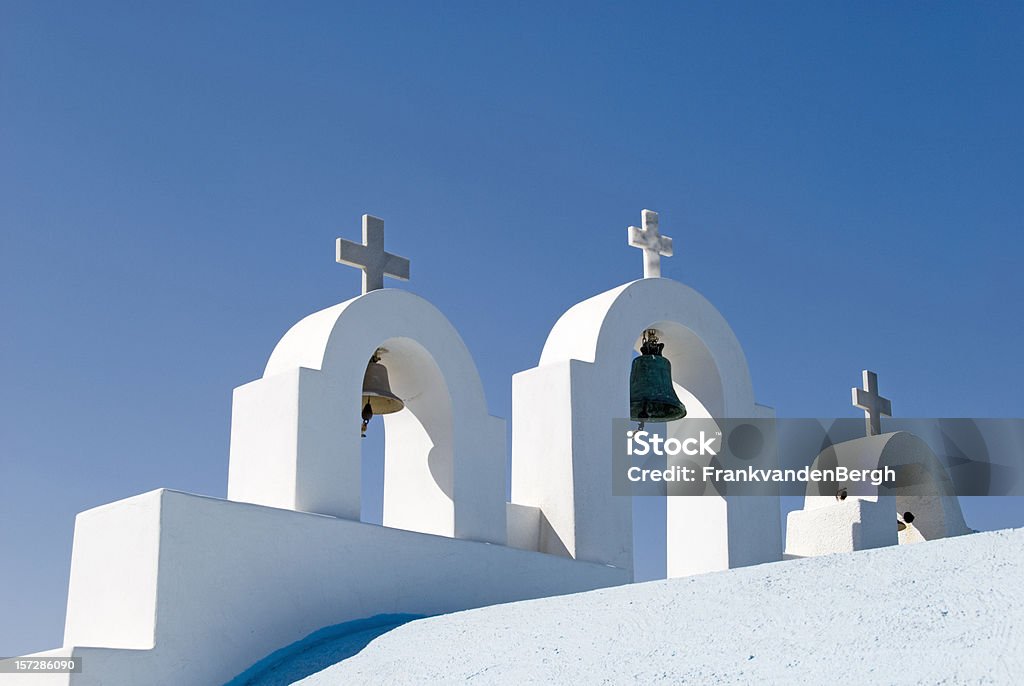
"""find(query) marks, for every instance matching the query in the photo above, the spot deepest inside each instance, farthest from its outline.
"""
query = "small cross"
(370, 256)
(653, 244)
(874, 405)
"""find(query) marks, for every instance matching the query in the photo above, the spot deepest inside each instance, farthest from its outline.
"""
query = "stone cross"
(370, 256)
(653, 244)
(874, 405)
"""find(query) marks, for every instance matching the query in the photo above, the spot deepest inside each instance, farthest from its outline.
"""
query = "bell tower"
(295, 432)
(562, 413)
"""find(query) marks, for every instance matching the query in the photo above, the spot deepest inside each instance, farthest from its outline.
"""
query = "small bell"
(377, 395)
(651, 394)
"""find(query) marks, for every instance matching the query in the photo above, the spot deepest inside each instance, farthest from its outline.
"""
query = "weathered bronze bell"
(377, 395)
(652, 398)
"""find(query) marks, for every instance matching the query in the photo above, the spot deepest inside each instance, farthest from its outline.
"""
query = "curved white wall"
(295, 433)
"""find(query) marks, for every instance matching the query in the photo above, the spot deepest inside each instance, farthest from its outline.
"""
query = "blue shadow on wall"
(318, 651)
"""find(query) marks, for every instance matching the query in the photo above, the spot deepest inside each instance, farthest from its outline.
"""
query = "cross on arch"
(371, 257)
(653, 244)
(872, 403)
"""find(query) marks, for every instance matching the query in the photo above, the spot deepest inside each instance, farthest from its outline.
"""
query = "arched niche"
(562, 418)
(295, 439)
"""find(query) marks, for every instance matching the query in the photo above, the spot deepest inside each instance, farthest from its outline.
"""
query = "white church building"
(173, 588)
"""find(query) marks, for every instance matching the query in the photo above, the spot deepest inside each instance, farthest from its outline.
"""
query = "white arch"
(295, 440)
(607, 327)
(561, 438)
(923, 485)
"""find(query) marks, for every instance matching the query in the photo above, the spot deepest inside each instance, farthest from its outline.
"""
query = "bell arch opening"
(407, 456)
(698, 385)
(371, 475)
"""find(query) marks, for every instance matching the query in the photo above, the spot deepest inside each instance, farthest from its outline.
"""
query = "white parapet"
(169, 588)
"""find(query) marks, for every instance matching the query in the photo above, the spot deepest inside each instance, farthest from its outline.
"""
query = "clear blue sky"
(842, 180)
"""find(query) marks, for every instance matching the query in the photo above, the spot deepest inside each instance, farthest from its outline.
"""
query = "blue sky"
(842, 180)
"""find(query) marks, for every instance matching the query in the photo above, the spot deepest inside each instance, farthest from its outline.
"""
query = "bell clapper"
(367, 416)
